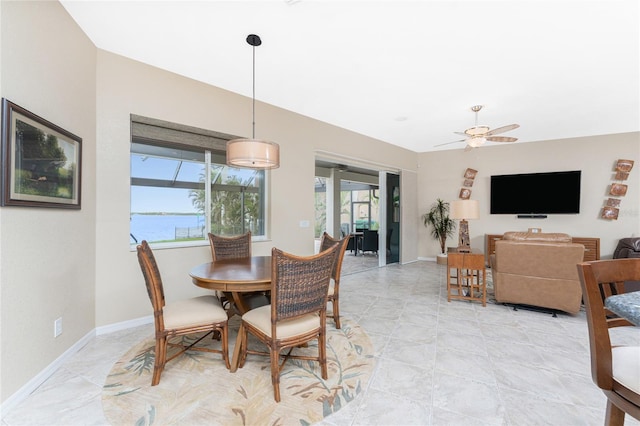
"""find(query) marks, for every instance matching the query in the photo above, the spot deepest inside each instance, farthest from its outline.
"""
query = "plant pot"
(441, 259)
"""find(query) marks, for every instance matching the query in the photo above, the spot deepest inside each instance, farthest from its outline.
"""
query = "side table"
(466, 277)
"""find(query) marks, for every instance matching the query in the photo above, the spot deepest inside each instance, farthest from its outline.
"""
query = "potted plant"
(442, 227)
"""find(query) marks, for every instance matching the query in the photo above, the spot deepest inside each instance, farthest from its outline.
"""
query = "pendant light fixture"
(253, 153)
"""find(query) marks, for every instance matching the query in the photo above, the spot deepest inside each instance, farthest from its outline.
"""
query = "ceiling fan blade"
(448, 143)
(461, 133)
(502, 129)
(501, 139)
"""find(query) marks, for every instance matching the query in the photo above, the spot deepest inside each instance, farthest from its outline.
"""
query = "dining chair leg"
(275, 373)
(238, 356)
(614, 415)
(322, 353)
(160, 359)
(336, 312)
(224, 337)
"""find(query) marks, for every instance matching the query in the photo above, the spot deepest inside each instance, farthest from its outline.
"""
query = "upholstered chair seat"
(626, 367)
(261, 319)
(191, 312)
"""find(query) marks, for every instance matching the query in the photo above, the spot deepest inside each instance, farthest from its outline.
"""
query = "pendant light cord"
(253, 124)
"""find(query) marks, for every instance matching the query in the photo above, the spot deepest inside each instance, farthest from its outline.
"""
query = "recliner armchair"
(537, 270)
(627, 247)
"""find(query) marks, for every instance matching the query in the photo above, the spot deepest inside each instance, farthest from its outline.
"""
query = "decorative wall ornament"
(610, 213)
(618, 189)
(610, 210)
(469, 176)
(624, 165)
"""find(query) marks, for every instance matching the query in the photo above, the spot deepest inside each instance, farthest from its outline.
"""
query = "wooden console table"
(591, 247)
(466, 277)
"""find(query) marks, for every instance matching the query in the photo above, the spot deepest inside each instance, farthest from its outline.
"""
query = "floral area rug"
(197, 389)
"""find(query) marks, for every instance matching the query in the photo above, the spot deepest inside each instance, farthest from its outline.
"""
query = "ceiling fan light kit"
(478, 135)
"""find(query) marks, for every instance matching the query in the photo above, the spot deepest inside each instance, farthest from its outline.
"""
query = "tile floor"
(439, 363)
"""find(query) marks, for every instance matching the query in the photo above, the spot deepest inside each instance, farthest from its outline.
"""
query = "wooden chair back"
(153, 281)
(234, 247)
(326, 242)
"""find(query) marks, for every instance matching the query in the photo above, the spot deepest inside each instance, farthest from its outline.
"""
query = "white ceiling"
(405, 72)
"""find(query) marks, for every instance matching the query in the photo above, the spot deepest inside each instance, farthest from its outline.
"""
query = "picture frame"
(468, 183)
(610, 213)
(618, 189)
(470, 173)
(41, 162)
(465, 193)
(613, 202)
(624, 165)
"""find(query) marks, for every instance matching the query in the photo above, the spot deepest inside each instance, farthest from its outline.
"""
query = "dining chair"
(235, 247)
(614, 369)
(326, 241)
(180, 318)
(370, 241)
(232, 247)
(297, 313)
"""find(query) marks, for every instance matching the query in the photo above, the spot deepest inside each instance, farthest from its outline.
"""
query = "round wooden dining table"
(235, 276)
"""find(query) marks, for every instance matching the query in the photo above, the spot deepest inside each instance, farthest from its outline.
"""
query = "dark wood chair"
(180, 318)
(297, 313)
(235, 247)
(326, 242)
(370, 241)
(614, 369)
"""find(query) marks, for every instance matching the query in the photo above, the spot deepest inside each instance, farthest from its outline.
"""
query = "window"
(170, 202)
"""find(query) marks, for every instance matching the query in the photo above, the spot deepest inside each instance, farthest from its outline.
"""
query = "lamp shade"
(253, 154)
(465, 209)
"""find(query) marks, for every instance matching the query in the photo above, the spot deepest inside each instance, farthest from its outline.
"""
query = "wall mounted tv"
(536, 194)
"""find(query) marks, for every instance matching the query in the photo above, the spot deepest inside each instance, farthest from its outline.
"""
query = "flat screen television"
(536, 193)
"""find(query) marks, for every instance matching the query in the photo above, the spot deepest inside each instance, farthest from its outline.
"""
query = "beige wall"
(440, 176)
(125, 87)
(47, 262)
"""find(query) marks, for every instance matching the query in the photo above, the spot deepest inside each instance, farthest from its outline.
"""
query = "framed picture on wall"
(465, 193)
(41, 162)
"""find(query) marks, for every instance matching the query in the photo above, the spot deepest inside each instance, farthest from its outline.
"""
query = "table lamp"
(463, 210)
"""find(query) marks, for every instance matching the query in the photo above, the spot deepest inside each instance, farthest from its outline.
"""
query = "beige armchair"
(537, 269)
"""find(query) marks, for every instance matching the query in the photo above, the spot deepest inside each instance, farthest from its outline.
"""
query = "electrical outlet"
(57, 327)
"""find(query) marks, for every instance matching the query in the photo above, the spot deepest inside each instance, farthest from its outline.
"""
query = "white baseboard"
(430, 259)
(41, 377)
(124, 325)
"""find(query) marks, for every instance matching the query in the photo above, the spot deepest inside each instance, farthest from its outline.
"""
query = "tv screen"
(536, 193)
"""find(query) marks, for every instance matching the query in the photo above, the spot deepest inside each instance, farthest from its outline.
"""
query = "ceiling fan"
(479, 134)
